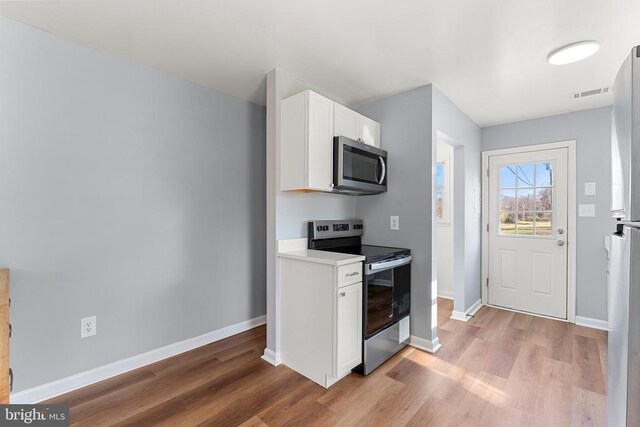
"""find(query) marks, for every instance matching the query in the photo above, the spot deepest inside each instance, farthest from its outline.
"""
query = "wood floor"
(499, 369)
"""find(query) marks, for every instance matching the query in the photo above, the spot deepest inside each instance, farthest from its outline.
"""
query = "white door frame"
(571, 233)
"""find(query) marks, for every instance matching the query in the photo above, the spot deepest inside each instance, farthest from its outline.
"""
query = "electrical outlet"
(394, 223)
(587, 210)
(88, 326)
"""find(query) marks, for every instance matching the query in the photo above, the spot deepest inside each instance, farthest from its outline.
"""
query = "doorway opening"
(444, 218)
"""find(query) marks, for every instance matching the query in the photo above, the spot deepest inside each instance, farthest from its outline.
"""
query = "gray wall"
(295, 209)
(406, 133)
(124, 193)
(461, 132)
(592, 131)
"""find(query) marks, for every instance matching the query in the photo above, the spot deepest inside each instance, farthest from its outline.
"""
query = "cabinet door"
(369, 131)
(345, 122)
(320, 143)
(349, 339)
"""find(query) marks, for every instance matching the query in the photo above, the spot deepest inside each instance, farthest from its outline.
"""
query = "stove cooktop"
(371, 253)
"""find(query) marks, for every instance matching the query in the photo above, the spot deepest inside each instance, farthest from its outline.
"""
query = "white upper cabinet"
(306, 142)
(309, 122)
(345, 122)
(351, 124)
(369, 131)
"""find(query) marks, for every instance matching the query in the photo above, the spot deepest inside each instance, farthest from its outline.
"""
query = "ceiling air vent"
(592, 92)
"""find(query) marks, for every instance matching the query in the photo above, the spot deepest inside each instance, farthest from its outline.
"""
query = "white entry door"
(528, 204)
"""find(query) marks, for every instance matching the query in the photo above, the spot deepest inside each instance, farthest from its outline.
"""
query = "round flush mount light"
(573, 52)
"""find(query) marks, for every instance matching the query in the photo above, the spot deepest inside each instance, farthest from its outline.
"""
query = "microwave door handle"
(384, 170)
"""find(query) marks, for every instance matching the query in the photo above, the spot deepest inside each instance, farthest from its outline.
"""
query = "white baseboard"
(474, 308)
(271, 357)
(464, 317)
(426, 345)
(592, 323)
(459, 315)
(83, 379)
(445, 295)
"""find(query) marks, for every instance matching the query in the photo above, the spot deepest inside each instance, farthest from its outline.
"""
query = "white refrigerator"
(624, 257)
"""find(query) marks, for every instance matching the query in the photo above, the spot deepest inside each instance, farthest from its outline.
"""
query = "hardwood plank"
(292, 405)
(365, 400)
(483, 316)
(316, 414)
(137, 398)
(400, 407)
(521, 321)
(110, 385)
(490, 388)
(554, 370)
(588, 408)
(496, 326)
(502, 355)
(474, 357)
(253, 422)
(587, 372)
(458, 344)
(434, 412)
(553, 406)
(524, 380)
(245, 400)
(560, 336)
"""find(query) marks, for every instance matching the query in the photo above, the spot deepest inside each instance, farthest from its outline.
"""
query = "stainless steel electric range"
(386, 288)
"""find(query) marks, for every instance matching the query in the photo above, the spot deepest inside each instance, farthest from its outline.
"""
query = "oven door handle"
(381, 266)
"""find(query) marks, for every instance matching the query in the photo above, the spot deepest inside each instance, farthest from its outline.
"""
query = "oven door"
(387, 294)
(358, 168)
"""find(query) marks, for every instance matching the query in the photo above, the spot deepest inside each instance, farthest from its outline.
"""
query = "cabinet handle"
(10, 330)
(343, 294)
(355, 273)
(10, 379)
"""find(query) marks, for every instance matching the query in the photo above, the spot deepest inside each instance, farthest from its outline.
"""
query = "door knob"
(560, 242)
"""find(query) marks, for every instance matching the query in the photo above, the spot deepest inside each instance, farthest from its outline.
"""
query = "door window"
(526, 199)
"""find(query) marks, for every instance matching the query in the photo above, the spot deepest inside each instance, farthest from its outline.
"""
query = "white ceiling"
(488, 56)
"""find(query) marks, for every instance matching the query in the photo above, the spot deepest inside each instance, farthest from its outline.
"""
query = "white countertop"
(322, 257)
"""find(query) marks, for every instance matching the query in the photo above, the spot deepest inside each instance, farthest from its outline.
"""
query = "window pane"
(440, 176)
(439, 206)
(543, 224)
(525, 224)
(525, 175)
(507, 223)
(508, 200)
(525, 200)
(543, 199)
(544, 174)
(508, 176)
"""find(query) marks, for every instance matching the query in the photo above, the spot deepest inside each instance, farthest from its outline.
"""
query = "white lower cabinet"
(321, 320)
(349, 329)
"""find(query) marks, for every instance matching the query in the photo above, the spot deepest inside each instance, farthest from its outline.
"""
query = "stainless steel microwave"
(358, 168)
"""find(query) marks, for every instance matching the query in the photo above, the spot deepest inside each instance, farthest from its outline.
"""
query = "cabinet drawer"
(348, 274)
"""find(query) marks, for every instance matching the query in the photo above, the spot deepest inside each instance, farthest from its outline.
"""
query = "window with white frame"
(442, 191)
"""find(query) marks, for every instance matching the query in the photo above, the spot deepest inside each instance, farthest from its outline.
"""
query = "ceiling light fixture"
(573, 52)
